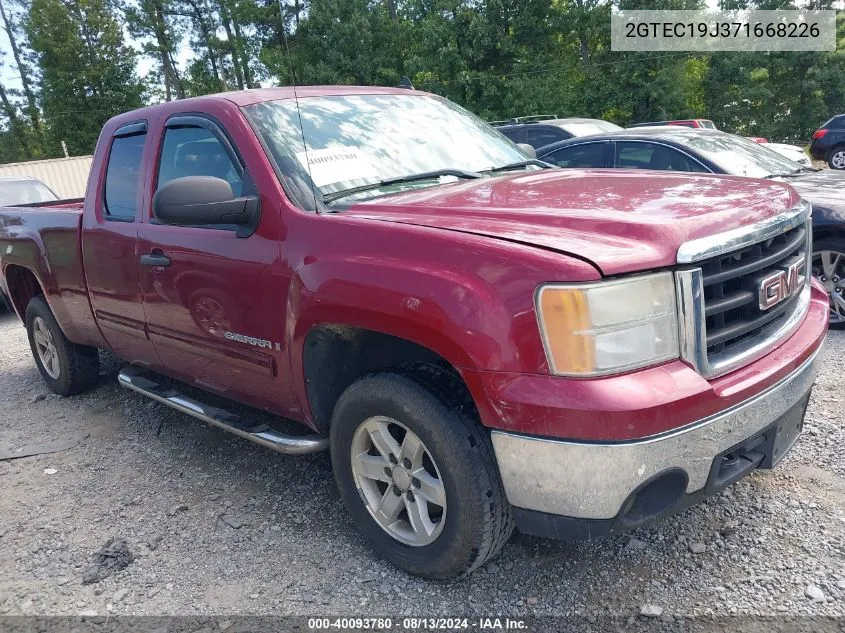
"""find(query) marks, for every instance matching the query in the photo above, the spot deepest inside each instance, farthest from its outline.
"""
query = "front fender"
(460, 318)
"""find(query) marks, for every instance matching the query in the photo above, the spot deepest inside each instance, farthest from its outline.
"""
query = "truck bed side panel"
(46, 242)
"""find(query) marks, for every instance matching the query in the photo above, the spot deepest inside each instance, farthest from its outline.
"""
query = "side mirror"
(527, 149)
(195, 200)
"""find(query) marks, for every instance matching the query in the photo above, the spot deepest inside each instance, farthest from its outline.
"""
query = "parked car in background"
(696, 123)
(16, 190)
(711, 151)
(542, 129)
(792, 152)
(828, 142)
(480, 340)
(66, 177)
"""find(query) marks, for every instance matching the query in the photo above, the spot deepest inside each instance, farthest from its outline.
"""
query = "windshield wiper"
(522, 163)
(425, 175)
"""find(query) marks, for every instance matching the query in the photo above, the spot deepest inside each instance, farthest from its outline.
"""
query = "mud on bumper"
(564, 489)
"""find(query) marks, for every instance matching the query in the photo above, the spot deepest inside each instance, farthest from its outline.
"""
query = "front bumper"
(599, 487)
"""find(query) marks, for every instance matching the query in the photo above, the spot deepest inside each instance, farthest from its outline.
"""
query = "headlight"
(610, 326)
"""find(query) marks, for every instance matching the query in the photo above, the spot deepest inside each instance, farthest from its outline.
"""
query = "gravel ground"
(217, 525)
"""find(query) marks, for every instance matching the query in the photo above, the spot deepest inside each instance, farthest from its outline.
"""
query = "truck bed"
(42, 242)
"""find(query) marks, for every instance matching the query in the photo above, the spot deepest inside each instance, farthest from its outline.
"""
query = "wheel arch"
(22, 284)
(335, 355)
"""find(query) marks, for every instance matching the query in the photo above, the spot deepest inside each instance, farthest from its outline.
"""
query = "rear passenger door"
(110, 244)
(584, 155)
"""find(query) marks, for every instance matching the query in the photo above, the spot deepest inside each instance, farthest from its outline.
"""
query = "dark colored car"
(828, 142)
(695, 123)
(544, 129)
(714, 152)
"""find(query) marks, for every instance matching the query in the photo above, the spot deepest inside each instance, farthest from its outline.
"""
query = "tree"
(87, 71)
(211, 70)
(152, 20)
(14, 35)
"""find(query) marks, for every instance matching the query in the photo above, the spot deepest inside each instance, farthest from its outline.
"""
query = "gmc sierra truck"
(481, 341)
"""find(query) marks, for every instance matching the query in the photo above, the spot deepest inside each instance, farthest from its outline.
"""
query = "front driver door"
(214, 302)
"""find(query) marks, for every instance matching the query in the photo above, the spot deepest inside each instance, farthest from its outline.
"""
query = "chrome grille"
(731, 289)
(723, 324)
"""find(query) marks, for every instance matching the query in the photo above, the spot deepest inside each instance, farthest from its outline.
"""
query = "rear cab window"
(123, 172)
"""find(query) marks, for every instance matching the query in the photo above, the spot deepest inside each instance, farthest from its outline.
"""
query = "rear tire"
(67, 368)
(414, 404)
(836, 158)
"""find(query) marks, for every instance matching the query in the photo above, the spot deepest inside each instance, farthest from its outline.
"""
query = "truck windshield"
(355, 142)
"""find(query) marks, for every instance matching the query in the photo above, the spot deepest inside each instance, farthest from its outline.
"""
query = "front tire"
(416, 471)
(67, 368)
(836, 158)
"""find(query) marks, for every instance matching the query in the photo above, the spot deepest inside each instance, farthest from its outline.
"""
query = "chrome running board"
(137, 379)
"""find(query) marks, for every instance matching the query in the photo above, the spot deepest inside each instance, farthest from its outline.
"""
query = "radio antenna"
(282, 12)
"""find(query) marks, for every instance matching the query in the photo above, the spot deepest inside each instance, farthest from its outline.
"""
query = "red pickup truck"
(481, 340)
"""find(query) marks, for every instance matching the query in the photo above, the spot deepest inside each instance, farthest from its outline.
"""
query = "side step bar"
(136, 379)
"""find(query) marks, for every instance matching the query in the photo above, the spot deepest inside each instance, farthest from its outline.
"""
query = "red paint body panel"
(623, 221)
(27, 235)
(453, 268)
(638, 404)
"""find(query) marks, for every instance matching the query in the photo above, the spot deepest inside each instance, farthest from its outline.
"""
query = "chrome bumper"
(592, 481)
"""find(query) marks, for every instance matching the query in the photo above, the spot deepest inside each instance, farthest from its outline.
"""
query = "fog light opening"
(654, 498)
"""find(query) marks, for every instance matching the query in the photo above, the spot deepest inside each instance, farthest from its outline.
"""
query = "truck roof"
(243, 98)
(258, 95)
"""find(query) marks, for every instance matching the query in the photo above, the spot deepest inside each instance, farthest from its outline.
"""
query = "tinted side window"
(122, 174)
(631, 155)
(586, 155)
(538, 137)
(513, 133)
(837, 122)
(196, 151)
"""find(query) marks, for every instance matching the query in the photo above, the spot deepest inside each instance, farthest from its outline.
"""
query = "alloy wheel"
(829, 267)
(398, 481)
(46, 348)
(837, 161)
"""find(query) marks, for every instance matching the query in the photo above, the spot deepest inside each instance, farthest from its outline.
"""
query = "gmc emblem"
(781, 285)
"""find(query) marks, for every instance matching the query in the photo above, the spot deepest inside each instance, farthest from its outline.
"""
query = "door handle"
(155, 259)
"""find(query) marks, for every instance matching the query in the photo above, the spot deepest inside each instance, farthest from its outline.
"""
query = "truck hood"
(621, 221)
